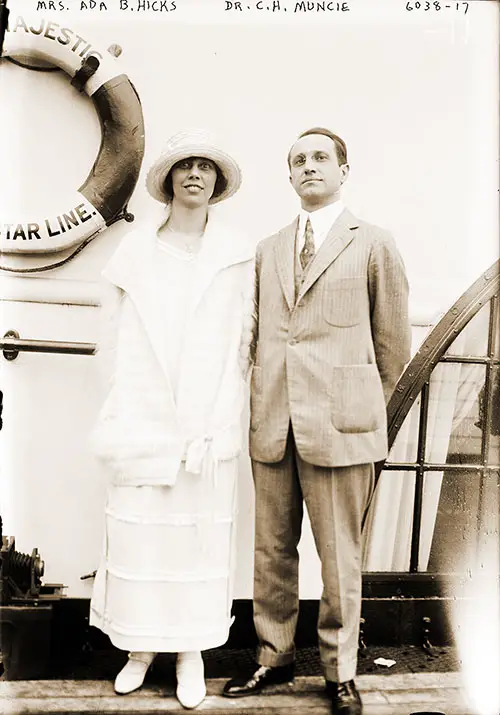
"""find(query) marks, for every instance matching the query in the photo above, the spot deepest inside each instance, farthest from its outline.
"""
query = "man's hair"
(340, 146)
(220, 182)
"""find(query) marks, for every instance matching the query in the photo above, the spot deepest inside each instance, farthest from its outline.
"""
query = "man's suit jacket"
(328, 359)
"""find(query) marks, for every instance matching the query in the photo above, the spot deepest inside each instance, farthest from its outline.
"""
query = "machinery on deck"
(26, 606)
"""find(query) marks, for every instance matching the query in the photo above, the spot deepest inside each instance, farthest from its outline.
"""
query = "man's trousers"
(336, 500)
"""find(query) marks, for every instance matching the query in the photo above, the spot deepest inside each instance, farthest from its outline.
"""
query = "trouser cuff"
(271, 659)
(340, 673)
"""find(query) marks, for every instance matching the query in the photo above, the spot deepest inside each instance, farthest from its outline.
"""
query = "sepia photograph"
(250, 357)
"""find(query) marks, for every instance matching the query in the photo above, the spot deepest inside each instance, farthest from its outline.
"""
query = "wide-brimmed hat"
(195, 142)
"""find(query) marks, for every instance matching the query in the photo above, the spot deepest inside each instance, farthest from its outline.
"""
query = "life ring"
(104, 195)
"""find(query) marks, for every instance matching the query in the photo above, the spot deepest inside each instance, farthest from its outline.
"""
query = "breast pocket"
(343, 301)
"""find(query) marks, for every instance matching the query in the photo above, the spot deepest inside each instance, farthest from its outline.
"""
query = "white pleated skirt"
(165, 581)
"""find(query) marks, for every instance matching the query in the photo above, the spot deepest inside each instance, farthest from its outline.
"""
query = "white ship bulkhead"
(413, 172)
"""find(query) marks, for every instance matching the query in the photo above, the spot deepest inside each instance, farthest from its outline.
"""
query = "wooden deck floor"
(429, 693)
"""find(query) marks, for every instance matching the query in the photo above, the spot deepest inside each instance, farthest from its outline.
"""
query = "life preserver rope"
(101, 199)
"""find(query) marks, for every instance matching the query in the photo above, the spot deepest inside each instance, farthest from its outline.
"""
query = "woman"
(170, 429)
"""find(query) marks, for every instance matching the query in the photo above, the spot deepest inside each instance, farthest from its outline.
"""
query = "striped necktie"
(307, 252)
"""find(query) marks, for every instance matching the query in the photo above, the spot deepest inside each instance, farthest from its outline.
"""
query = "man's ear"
(344, 172)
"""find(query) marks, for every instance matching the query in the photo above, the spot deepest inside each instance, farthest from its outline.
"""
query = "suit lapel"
(284, 251)
(339, 237)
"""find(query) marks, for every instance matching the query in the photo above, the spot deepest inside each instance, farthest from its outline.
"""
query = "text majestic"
(53, 31)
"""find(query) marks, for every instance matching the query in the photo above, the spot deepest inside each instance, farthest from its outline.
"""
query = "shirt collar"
(321, 221)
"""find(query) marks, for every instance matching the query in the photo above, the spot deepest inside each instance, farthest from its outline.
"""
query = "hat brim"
(158, 172)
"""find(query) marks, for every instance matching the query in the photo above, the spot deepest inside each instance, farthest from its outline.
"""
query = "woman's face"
(193, 181)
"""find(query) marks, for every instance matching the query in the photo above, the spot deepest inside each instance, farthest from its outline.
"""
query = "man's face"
(193, 181)
(315, 173)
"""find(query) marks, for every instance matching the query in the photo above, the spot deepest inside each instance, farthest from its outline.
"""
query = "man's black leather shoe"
(345, 698)
(260, 678)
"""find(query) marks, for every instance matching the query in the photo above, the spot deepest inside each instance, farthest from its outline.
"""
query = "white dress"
(166, 578)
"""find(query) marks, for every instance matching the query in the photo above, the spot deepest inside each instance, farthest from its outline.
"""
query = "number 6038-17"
(427, 5)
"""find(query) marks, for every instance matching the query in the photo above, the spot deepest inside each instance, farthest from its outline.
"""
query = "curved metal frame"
(415, 381)
(437, 342)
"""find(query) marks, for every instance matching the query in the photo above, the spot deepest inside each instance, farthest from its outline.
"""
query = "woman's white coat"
(144, 431)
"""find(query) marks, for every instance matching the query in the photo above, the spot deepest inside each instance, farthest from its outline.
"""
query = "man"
(332, 338)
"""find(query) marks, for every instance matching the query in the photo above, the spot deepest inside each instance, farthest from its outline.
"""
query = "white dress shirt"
(321, 222)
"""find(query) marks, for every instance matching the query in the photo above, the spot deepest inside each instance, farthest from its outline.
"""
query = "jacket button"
(293, 341)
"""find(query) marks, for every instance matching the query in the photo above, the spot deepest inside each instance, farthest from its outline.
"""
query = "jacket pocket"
(358, 403)
(343, 301)
(255, 397)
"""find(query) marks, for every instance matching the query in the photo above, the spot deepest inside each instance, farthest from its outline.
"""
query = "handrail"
(11, 345)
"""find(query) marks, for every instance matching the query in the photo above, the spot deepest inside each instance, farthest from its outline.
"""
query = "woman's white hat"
(195, 142)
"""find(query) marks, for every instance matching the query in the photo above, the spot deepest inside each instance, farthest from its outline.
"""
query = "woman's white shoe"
(132, 675)
(191, 688)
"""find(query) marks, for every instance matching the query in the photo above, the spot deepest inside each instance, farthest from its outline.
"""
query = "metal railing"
(415, 382)
(11, 345)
